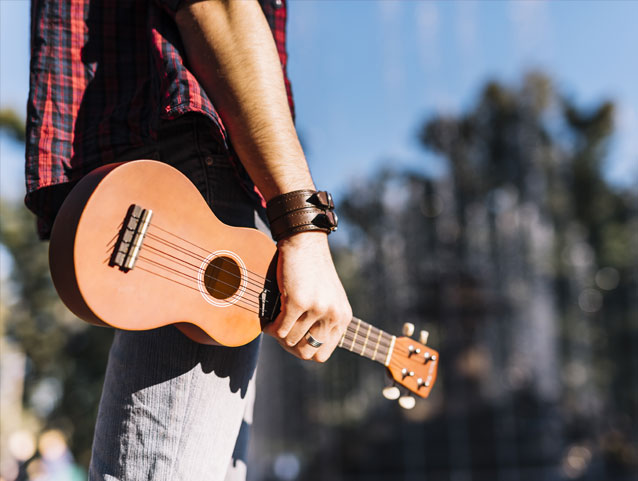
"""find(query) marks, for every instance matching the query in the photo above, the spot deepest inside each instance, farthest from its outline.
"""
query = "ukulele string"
(353, 343)
(383, 341)
(381, 344)
(382, 350)
(255, 286)
(187, 276)
(240, 301)
(111, 243)
(386, 340)
(358, 333)
(378, 352)
(177, 246)
(384, 346)
(188, 265)
(252, 299)
(257, 279)
(189, 287)
(249, 297)
(250, 302)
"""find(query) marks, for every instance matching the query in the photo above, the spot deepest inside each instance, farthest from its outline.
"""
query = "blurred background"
(484, 156)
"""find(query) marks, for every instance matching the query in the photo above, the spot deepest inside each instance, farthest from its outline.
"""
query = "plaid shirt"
(103, 75)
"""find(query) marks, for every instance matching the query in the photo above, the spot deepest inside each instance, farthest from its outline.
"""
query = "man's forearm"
(231, 51)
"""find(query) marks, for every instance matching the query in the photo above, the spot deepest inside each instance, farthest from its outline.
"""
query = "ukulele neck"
(368, 341)
(360, 337)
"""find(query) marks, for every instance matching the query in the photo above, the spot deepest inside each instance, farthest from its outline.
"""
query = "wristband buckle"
(300, 211)
(327, 220)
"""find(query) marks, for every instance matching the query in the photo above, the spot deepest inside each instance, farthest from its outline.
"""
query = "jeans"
(173, 409)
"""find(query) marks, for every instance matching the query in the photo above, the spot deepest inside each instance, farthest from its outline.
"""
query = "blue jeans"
(172, 409)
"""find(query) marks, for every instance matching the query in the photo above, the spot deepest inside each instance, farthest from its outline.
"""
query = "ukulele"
(135, 246)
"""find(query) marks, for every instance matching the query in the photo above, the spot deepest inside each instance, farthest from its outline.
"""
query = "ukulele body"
(191, 270)
(135, 246)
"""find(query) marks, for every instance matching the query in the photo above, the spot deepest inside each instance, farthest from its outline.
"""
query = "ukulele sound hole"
(222, 277)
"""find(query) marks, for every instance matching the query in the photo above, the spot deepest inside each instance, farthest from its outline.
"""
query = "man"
(196, 84)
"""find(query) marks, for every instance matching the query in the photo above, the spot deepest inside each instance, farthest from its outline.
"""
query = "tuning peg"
(391, 392)
(408, 329)
(421, 383)
(412, 350)
(405, 373)
(429, 357)
(423, 337)
(407, 402)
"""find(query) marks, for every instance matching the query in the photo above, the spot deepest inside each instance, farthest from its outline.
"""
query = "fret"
(383, 350)
(363, 349)
(355, 335)
(376, 348)
(373, 345)
(387, 360)
(359, 338)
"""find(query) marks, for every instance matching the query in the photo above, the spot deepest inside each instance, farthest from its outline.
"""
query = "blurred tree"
(11, 123)
(65, 358)
(522, 259)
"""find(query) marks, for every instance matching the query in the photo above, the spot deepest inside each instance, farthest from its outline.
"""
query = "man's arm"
(231, 50)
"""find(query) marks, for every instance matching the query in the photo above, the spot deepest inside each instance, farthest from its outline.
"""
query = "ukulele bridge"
(131, 237)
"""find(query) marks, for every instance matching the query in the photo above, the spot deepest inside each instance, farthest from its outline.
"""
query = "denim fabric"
(173, 409)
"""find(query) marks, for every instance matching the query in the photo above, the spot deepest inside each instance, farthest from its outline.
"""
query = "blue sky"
(367, 73)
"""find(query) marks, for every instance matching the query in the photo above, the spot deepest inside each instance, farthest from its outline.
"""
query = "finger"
(286, 319)
(336, 333)
(302, 328)
(306, 346)
(307, 350)
(310, 339)
(302, 350)
(323, 353)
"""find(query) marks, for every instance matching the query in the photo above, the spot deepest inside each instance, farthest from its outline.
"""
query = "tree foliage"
(522, 262)
(65, 358)
(11, 122)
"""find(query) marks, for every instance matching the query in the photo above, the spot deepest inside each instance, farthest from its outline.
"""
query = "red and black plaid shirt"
(103, 75)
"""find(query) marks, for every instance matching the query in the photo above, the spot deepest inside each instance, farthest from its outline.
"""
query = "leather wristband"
(298, 199)
(301, 211)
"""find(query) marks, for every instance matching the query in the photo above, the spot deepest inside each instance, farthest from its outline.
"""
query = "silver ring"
(312, 341)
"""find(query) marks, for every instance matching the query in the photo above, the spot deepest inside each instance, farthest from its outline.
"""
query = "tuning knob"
(407, 402)
(391, 392)
(423, 337)
(408, 329)
(421, 383)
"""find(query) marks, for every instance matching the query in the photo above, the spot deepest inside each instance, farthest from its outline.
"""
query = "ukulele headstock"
(412, 366)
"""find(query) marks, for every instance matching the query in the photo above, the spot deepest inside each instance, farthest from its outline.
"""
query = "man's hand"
(313, 299)
(231, 51)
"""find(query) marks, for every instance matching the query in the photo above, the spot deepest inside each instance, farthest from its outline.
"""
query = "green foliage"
(11, 122)
(66, 358)
(522, 262)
